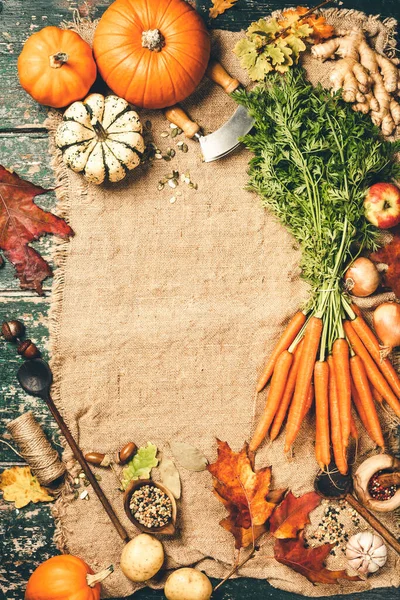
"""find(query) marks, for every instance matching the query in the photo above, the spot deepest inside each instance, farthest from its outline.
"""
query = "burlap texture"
(162, 316)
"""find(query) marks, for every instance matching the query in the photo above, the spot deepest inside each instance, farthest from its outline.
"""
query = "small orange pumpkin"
(153, 53)
(65, 577)
(56, 67)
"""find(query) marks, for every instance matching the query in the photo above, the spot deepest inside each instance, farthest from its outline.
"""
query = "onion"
(362, 277)
(387, 325)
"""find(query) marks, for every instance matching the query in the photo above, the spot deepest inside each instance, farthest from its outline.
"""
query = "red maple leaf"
(21, 222)
(308, 561)
(291, 515)
(390, 256)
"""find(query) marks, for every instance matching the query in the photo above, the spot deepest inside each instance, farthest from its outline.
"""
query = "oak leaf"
(21, 487)
(308, 561)
(22, 222)
(291, 516)
(219, 7)
(390, 256)
(244, 493)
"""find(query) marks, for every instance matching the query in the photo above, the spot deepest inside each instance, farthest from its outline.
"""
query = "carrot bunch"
(338, 375)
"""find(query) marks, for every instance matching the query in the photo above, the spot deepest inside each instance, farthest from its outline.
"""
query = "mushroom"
(364, 473)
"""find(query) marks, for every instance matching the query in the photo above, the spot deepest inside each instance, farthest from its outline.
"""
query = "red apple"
(382, 205)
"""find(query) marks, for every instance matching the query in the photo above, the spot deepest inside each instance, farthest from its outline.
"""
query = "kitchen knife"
(225, 139)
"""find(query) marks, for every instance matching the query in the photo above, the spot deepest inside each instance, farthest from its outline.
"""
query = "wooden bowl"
(169, 528)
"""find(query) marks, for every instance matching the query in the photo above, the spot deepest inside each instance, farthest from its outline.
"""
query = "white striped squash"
(100, 137)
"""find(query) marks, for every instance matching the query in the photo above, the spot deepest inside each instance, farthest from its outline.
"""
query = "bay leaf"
(170, 476)
(188, 456)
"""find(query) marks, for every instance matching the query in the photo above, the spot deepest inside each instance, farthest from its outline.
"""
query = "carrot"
(288, 336)
(376, 395)
(374, 375)
(277, 389)
(288, 394)
(361, 384)
(309, 353)
(336, 434)
(371, 343)
(353, 428)
(321, 383)
(309, 401)
(340, 354)
(361, 411)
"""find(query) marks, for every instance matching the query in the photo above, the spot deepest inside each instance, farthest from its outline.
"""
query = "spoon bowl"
(169, 528)
(35, 377)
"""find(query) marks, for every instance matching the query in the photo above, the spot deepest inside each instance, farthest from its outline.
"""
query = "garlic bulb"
(366, 552)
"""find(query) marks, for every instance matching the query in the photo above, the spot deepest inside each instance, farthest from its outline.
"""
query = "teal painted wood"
(26, 534)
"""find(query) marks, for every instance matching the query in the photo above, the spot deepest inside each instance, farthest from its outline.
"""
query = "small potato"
(142, 557)
(188, 584)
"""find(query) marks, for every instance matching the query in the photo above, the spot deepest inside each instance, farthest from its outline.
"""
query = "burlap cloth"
(162, 315)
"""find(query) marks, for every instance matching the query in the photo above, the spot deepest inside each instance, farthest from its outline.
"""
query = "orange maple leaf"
(219, 7)
(244, 492)
(321, 29)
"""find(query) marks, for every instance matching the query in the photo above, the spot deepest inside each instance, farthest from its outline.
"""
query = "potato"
(188, 584)
(142, 557)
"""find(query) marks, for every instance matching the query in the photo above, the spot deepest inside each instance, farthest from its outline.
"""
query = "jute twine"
(36, 449)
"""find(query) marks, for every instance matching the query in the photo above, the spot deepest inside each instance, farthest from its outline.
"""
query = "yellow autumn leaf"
(220, 6)
(21, 487)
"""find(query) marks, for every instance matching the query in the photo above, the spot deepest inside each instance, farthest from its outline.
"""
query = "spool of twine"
(36, 449)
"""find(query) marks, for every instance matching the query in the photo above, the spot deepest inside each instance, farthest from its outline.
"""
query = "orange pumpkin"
(153, 53)
(56, 67)
(65, 577)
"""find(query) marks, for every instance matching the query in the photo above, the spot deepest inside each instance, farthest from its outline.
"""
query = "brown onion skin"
(362, 278)
(386, 320)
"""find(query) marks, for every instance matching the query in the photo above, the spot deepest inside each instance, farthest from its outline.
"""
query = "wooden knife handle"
(177, 116)
(216, 72)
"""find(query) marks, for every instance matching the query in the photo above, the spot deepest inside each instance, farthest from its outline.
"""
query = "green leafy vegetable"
(141, 464)
(314, 158)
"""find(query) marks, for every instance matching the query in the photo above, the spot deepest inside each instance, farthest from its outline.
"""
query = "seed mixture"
(331, 529)
(150, 506)
(377, 491)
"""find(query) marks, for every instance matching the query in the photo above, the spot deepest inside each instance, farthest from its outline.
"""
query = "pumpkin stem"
(99, 129)
(57, 60)
(98, 577)
(153, 39)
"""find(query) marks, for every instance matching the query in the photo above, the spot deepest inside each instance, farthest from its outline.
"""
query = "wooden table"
(26, 534)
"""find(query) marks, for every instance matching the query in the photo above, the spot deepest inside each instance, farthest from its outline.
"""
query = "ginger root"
(368, 80)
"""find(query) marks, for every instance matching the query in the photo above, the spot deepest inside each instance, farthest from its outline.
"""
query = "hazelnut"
(28, 350)
(12, 330)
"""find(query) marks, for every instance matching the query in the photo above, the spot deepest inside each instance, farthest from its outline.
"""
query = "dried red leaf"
(21, 222)
(390, 255)
(291, 515)
(219, 7)
(244, 493)
(308, 561)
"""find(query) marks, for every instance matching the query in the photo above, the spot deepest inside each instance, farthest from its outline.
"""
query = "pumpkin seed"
(158, 155)
(160, 186)
(174, 133)
(166, 157)
(172, 153)
(173, 126)
(164, 134)
(180, 144)
(185, 148)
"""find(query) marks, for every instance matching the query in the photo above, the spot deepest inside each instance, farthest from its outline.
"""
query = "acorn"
(12, 330)
(126, 453)
(28, 350)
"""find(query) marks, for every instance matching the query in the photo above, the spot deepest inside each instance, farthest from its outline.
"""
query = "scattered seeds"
(174, 132)
(164, 134)
(185, 148)
(173, 126)
(172, 153)
(83, 494)
(172, 200)
(180, 144)
(166, 157)
(172, 183)
(158, 155)
(160, 186)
